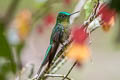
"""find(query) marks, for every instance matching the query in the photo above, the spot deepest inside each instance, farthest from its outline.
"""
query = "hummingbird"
(60, 34)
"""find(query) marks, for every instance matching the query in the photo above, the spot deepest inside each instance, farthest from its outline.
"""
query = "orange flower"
(106, 26)
(78, 52)
(23, 21)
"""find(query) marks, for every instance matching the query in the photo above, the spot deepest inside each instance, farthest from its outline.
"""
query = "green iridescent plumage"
(59, 35)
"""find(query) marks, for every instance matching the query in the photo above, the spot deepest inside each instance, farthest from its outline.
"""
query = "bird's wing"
(55, 45)
(55, 38)
(51, 51)
(57, 33)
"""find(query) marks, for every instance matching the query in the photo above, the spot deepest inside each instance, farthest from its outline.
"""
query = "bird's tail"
(45, 60)
(50, 53)
(53, 53)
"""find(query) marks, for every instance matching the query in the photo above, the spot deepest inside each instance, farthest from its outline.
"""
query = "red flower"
(49, 19)
(79, 35)
(106, 13)
(107, 16)
(67, 1)
(78, 50)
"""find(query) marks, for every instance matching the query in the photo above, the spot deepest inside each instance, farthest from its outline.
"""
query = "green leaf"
(89, 7)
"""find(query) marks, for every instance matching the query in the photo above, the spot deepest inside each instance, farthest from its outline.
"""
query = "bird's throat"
(65, 24)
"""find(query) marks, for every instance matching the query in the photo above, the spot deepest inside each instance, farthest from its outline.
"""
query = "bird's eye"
(63, 16)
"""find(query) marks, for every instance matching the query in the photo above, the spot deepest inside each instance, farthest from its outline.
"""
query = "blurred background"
(25, 30)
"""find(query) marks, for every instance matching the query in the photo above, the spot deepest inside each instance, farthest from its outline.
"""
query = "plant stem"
(70, 70)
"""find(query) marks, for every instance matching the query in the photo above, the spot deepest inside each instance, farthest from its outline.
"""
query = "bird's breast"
(66, 34)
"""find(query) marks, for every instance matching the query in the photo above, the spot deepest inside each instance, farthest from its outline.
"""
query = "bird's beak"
(74, 13)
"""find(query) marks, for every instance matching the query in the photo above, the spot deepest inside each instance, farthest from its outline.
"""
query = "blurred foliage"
(115, 4)
(5, 55)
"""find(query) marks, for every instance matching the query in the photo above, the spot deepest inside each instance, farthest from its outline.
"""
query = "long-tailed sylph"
(60, 34)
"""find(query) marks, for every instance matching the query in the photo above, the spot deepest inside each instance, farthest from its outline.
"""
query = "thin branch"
(41, 76)
(57, 75)
(70, 70)
(57, 65)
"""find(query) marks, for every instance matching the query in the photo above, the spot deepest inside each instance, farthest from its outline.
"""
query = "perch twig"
(57, 75)
(69, 71)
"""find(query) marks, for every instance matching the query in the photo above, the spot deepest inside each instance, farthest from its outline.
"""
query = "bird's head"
(64, 17)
